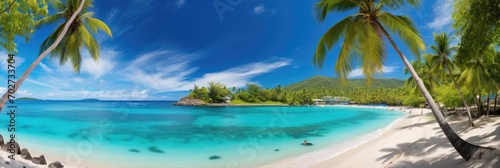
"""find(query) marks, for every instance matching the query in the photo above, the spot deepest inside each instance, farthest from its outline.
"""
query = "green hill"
(326, 82)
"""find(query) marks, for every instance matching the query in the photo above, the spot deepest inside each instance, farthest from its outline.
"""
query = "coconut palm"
(363, 34)
(73, 35)
(429, 77)
(475, 74)
(78, 37)
(441, 64)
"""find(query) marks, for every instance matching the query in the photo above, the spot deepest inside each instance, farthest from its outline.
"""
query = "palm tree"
(76, 25)
(423, 69)
(475, 74)
(78, 36)
(441, 63)
(363, 34)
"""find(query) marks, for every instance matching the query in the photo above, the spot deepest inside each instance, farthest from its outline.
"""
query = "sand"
(412, 141)
(18, 163)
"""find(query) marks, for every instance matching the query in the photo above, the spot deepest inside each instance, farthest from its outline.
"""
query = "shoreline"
(333, 150)
(415, 140)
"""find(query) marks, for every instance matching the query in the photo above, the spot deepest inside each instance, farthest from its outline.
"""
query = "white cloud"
(443, 9)
(102, 66)
(170, 71)
(120, 94)
(359, 72)
(40, 83)
(96, 69)
(3, 61)
(45, 67)
(261, 9)
(240, 75)
(19, 93)
(180, 3)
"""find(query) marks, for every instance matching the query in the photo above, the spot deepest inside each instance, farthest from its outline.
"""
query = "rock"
(134, 150)
(276, 150)
(190, 102)
(155, 149)
(214, 157)
(7, 162)
(56, 164)
(1, 140)
(25, 154)
(39, 160)
(8, 148)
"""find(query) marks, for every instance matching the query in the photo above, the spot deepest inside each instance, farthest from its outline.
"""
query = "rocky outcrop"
(39, 160)
(190, 102)
(1, 140)
(11, 148)
(56, 165)
(25, 154)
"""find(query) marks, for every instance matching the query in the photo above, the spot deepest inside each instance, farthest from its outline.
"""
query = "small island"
(28, 99)
(312, 91)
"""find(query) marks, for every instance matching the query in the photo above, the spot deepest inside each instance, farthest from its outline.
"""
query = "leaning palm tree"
(73, 33)
(78, 35)
(363, 33)
(442, 63)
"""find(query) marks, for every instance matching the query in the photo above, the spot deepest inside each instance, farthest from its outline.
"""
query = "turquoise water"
(158, 134)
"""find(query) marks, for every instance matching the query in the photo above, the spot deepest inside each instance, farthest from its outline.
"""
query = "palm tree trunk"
(466, 150)
(462, 96)
(479, 104)
(488, 103)
(18, 83)
(495, 106)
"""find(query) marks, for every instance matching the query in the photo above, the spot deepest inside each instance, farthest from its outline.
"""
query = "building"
(226, 99)
(329, 100)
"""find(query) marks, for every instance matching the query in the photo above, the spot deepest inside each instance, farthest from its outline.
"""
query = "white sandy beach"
(413, 141)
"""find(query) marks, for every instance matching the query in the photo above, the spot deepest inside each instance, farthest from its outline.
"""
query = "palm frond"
(323, 7)
(395, 4)
(346, 56)
(405, 28)
(95, 24)
(51, 39)
(372, 52)
(329, 39)
(89, 41)
(57, 5)
(50, 19)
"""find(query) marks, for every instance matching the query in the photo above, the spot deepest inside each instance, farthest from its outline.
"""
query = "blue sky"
(160, 49)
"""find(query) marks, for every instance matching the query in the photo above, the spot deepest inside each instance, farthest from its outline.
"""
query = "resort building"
(329, 100)
(226, 99)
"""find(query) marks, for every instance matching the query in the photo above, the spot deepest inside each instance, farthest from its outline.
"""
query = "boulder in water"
(214, 157)
(56, 164)
(25, 154)
(12, 148)
(1, 140)
(39, 160)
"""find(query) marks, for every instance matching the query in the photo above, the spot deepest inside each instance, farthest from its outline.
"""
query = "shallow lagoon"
(158, 134)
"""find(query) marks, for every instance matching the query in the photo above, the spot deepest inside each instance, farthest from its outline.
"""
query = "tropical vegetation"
(363, 34)
(73, 35)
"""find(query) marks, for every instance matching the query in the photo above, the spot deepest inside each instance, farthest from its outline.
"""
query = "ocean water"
(159, 135)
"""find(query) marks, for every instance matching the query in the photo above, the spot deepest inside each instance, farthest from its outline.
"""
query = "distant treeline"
(253, 93)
